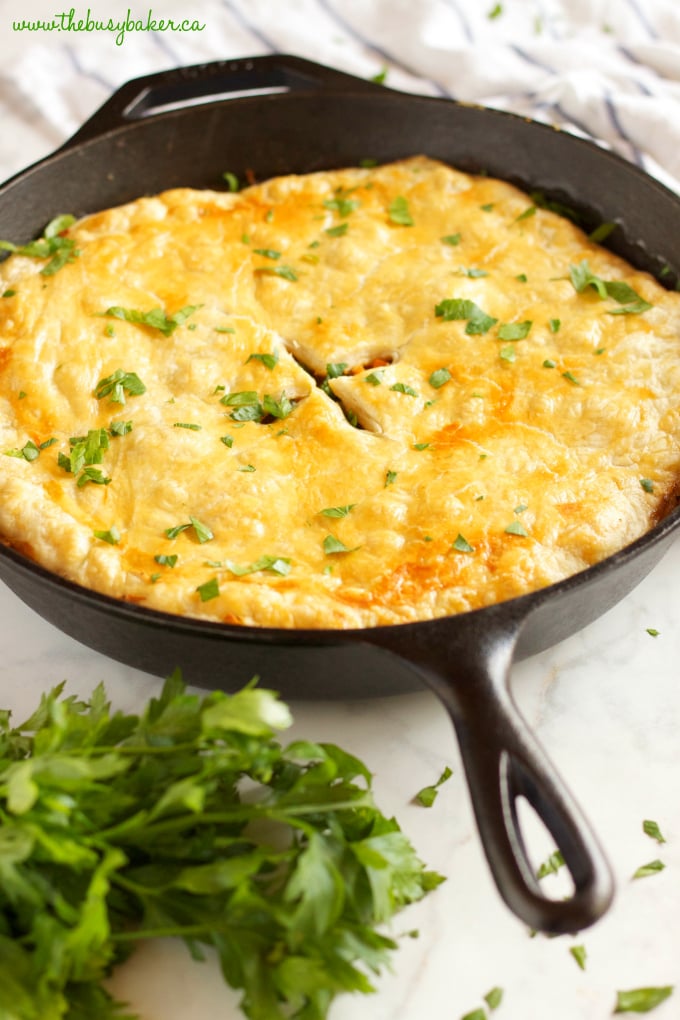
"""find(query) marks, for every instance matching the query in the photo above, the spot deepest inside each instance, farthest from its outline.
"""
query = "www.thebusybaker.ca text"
(69, 21)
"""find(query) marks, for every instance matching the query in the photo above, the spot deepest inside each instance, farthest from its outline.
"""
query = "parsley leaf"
(399, 213)
(428, 794)
(290, 885)
(333, 545)
(338, 511)
(582, 277)
(275, 564)
(652, 830)
(439, 377)
(285, 272)
(642, 1000)
(478, 322)
(156, 318)
(514, 330)
(118, 384)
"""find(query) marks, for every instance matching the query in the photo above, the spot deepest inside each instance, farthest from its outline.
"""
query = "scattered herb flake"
(390, 478)
(549, 363)
(401, 387)
(333, 545)
(209, 590)
(118, 384)
(642, 1000)
(156, 318)
(166, 560)
(187, 425)
(111, 535)
(647, 484)
(267, 253)
(553, 863)
(338, 231)
(579, 954)
(645, 870)
(439, 377)
(652, 632)
(508, 354)
(374, 378)
(452, 239)
(514, 330)
(398, 212)
(570, 377)
(528, 212)
(650, 827)
(231, 180)
(494, 998)
(462, 545)
(478, 322)
(285, 272)
(227, 440)
(428, 794)
(338, 511)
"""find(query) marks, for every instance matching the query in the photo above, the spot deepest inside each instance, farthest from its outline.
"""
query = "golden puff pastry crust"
(357, 397)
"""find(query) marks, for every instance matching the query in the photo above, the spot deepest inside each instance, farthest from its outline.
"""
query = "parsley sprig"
(53, 245)
(118, 828)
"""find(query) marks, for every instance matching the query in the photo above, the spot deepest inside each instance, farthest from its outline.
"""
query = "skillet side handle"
(504, 762)
(153, 94)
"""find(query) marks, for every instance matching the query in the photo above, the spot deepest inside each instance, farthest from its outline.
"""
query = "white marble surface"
(606, 703)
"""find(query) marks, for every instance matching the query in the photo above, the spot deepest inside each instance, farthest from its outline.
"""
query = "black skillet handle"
(153, 94)
(504, 762)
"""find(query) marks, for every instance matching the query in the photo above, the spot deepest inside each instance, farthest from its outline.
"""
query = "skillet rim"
(352, 88)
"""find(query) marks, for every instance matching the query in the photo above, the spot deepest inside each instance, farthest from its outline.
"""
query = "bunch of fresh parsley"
(190, 820)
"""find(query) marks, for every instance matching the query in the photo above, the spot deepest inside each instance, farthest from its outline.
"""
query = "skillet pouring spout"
(468, 668)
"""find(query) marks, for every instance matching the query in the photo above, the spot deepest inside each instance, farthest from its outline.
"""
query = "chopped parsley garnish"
(374, 378)
(202, 531)
(507, 354)
(187, 425)
(549, 363)
(224, 329)
(155, 318)
(653, 633)
(390, 478)
(494, 998)
(495, 12)
(338, 231)
(570, 377)
(428, 794)
(516, 528)
(579, 954)
(59, 250)
(551, 865)
(249, 408)
(8, 293)
(487, 207)
(338, 511)
(273, 564)
(476, 1014)
(398, 212)
(649, 827)
(647, 484)
(439, 377)
(337, 369)
(227, 440)
(582, 277)
(333, 545)
(555, 325)
(642, 1000)
(401, 387)
(120, 428)
(280, 408)
(522, 277)
(452, 239)
(601, 233)
(29, 451)
(514, 330)
(478, 322)
(94, 475)
(268, 360)
(209, 590)
(422, 446)
(118, 384)
(462, 545)
(111, 535)
(473, 273)
(342, 204)
(167, 560)
(528, 212)
(285, 272)
(267, 253)
(231, 180)
(645, 870)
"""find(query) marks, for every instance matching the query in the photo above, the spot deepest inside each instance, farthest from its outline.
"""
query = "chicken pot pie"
(349, 398)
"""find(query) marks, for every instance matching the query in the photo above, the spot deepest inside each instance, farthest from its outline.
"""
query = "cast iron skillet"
(177, 128)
